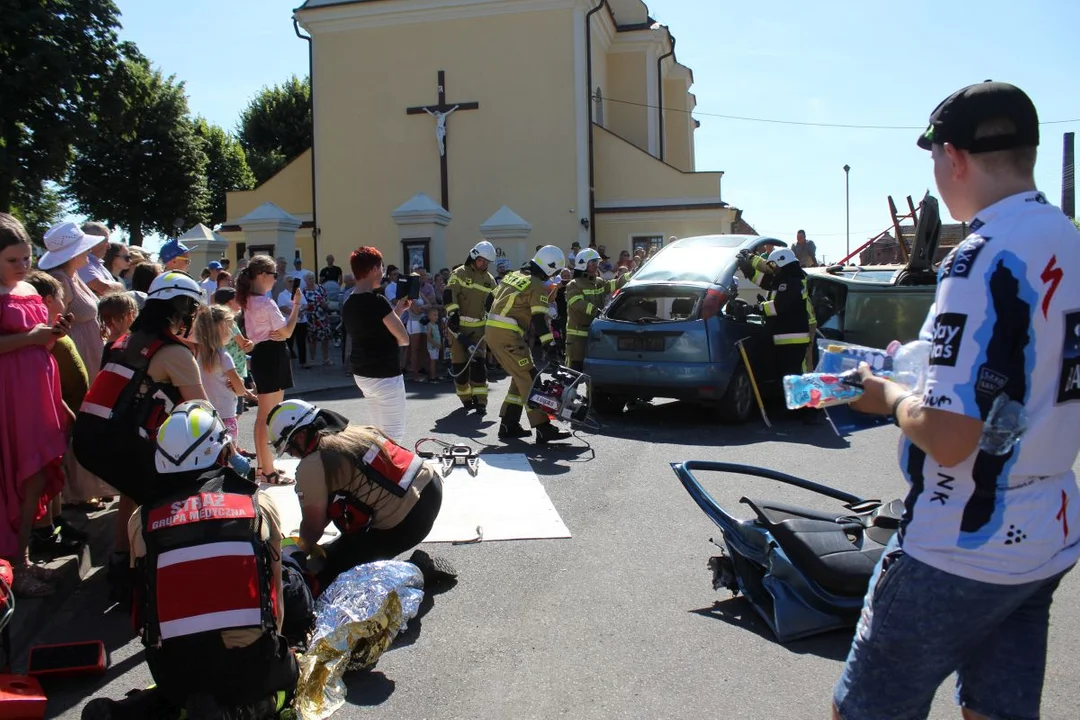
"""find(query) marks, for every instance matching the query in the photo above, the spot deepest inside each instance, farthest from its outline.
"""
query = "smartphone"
(295, 285)
(408, 287)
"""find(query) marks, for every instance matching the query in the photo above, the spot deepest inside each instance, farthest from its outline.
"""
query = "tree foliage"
(38, 209)
(141, 165)
(277, 126)
(226, 170)
(53, 55)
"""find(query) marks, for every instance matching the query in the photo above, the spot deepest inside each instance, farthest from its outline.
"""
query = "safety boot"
(510, 427)
(546, 432)
(481, 410)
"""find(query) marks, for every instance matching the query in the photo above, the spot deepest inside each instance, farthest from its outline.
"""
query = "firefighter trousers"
(575, 351)
(471, 383)
(513, 355)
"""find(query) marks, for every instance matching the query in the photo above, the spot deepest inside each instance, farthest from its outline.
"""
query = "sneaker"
(436, 570)
(49, 542)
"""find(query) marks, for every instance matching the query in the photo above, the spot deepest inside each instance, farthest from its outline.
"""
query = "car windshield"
(683, 264)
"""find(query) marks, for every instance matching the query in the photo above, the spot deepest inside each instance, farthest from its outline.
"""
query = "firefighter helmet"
(174, 284)
(485, 250)
(191, 438)
(550, 259)
(584, 257)
(782, 257)
(286, 418)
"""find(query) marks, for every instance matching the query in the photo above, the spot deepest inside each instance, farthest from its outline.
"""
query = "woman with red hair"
(377, 332)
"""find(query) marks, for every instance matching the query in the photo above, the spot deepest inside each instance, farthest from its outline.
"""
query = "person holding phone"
(377, 334)
(271, 370)
(300, 334)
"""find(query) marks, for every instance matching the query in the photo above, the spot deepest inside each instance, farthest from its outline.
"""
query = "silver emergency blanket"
(356, 620)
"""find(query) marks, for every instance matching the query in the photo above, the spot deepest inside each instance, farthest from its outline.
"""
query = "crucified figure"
(440, 126)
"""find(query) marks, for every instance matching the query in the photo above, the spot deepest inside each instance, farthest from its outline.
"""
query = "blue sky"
(834, 61)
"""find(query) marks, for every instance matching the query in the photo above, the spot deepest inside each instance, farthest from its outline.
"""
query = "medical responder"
(209, 608)
(786, 309)
(382, 498)
(467, 298)
(584, 300)
(521, 304)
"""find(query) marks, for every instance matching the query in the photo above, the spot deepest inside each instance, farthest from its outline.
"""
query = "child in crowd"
(34, 441)
(238, 346)
(213, 331)
(434, 344)
(116, 312)
(52, 535)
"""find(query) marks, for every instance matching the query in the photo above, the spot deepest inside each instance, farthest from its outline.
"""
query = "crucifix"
(441, 111)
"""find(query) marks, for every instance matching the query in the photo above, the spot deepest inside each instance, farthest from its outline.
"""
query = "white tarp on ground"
(505, 500)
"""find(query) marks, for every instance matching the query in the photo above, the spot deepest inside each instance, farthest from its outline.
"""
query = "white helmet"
(782, 257)
(174, 284)
(583, 258)
(550, 259)
(484, 249)
(286, 418)
(191, 438)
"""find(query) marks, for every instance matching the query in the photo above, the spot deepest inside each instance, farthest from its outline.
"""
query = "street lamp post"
(847, 204)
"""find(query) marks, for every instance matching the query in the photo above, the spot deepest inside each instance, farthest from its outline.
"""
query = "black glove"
(760, 298)
(454, 322)
(757, 309)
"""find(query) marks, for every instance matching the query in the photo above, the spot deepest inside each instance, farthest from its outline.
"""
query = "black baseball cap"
(958, 116)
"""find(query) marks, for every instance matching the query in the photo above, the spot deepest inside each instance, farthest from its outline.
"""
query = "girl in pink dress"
(32, 444)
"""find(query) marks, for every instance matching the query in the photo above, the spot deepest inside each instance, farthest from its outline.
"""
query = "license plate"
(641, 344)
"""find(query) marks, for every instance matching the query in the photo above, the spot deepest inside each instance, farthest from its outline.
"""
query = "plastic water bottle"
(910, 363)
(240, 464)
(1005, 425)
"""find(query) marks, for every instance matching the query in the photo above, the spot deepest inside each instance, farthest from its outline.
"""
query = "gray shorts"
(920, 624)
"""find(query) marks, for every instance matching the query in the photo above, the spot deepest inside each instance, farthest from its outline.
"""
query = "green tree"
(226, 170)
(53, 54)
(141, 165)
(276, 127)
(38, 210)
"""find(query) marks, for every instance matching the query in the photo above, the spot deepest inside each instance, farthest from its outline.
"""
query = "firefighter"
(467, 298)
(381, 497)
(584, 301)
(209, 609)
(521, 304)
(786, 309)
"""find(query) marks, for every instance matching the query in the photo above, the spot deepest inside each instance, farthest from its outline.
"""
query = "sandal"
(25, 585)
(274, 478)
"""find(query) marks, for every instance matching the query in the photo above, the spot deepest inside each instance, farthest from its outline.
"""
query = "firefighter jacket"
(787, 309)
(522, 300)
(207, 567)
(468, 293)
(584, 301)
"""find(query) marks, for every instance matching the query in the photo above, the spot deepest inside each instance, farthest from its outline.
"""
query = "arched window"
(598, 110)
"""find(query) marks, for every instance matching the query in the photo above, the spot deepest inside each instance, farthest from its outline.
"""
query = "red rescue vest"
(207, 568)
(123, 393)
(388, 467)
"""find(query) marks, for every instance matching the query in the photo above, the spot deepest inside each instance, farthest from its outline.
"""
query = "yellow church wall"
(624, 172)
(617, 231)
(289, 189)
(516, 66)
(676, 127)
(626, 75)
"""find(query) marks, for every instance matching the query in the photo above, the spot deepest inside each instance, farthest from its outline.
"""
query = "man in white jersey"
(989, 529)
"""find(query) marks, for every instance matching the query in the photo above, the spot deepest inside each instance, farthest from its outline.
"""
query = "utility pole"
(847, 204)
(1068, 180)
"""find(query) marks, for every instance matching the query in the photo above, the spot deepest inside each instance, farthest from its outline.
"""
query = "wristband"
(896, 406)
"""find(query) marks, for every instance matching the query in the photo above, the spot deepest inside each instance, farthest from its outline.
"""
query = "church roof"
(628, 14)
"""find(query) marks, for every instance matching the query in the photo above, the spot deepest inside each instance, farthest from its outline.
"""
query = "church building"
(526, 122)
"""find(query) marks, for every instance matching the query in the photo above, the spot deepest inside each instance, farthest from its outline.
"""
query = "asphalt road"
(620, 621)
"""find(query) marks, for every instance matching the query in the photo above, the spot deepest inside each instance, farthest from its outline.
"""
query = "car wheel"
(608, 404)
(738, 402)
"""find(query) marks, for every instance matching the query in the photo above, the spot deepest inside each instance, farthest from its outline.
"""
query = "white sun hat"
(63, 242)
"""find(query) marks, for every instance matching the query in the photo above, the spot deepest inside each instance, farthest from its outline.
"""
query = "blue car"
(665, 334)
